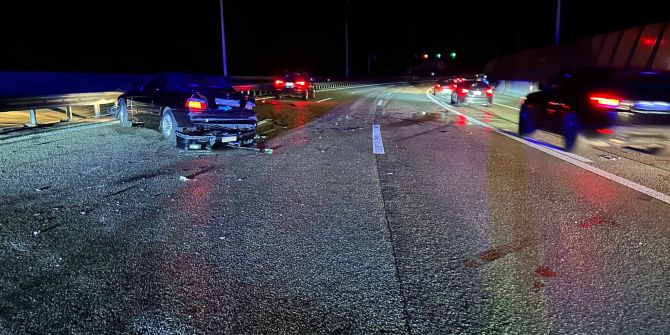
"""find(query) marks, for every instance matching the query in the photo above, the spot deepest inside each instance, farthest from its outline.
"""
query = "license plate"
(289, 85)
(227, 139)
(476, 93)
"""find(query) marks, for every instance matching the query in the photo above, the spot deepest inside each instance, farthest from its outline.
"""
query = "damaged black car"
(192, 111)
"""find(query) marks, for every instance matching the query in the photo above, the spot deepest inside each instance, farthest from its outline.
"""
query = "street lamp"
(557, 35)
(223, 41)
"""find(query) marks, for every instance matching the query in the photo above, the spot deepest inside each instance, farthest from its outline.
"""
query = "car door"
(553, 105)
(144, 103)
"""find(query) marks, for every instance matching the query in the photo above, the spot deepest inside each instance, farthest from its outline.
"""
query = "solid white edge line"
(516, 108)
(625, 182)
(377, 141)
(326, 99)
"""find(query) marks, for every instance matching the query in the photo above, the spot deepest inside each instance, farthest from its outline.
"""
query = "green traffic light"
(452, 55)
(438, 56)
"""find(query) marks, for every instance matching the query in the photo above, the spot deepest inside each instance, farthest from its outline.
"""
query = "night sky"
(264, 38)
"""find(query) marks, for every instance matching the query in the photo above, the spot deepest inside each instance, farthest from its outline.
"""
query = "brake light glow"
(279, 82)
(605, 131)
(438, 85)
(300, 83)
(196, 105)
(464, 90)
(604, 101)
(489, 91)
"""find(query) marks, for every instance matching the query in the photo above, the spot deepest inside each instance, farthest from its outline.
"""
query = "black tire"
(122, 114)
(526, 126)
(312, 95)
(454, 101)
(305, 95)
(571, 129)
(168, 127)
(278, 96)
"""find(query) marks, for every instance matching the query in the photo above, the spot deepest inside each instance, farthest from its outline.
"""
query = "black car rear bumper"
(293, 91)
(637, 129)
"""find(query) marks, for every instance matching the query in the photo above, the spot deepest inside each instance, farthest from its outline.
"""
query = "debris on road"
(183, 178)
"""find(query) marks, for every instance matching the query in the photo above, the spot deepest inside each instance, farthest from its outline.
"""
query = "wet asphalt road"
(455, 229)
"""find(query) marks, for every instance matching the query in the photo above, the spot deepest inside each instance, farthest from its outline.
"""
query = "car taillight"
(279, 82)
(464, 91)
(605, 101)
(438, 85)
(605, 131)
(489, 91)
(196, 105)
(300, 83)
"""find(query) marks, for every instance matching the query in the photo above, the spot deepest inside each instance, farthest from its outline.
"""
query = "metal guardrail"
(67, 101)
(267, 90)
(32, 104)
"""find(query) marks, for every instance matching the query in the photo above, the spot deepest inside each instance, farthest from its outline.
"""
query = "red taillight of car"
(300, 83)
(605, 101)
(279, 82)
(464, 91)
(196, 105)
(489, 91)
(605, 131)
(438, 85)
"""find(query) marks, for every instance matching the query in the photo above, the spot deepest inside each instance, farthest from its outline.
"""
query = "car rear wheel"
(168, 127)
(305, 95)
(572, 132)
(312, 94)
(122, 114)
(526, 126)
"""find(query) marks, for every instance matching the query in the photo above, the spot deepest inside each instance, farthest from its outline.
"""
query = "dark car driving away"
(190, 110)
(295, 84)
(472, 91)
(444, 86)
(622, 106)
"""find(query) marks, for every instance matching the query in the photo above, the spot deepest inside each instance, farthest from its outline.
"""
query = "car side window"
(560, 82)
(152, 85)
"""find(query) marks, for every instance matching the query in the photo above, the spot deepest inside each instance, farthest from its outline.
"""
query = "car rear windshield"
(477, 84)
(294, 76)
(195, 82)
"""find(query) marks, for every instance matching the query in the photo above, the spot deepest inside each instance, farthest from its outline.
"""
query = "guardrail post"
(33, 118)
(96, 108)
(68, 111)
